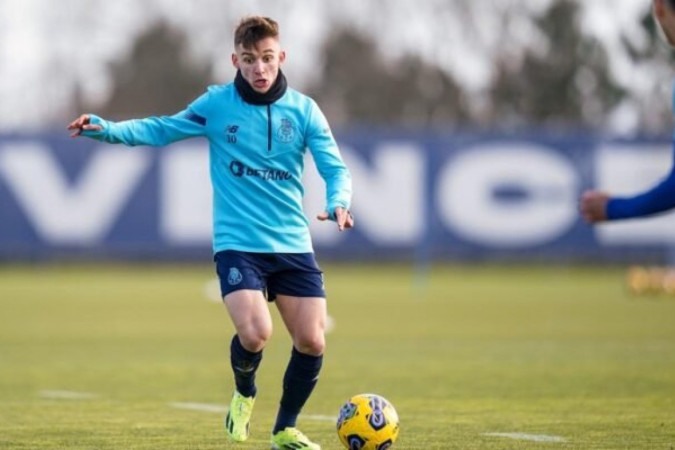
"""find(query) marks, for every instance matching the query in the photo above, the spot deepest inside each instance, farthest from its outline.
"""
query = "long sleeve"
(154, 131)
(328, 161)
(658, 199)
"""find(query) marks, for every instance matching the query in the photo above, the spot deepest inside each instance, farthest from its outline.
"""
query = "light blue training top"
(256, 163)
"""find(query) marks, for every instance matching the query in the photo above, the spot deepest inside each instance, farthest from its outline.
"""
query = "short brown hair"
(253, 29)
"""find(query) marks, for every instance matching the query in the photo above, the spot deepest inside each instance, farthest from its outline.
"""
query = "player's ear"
(659, 8)
(662, 13)
(282, 56)
(235, 61)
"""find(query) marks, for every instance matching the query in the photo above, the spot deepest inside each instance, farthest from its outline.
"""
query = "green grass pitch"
(98, 357)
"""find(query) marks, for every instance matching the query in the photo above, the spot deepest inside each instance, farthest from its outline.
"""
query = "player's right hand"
(82, 123)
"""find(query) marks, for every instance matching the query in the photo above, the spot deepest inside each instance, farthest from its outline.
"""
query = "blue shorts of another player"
(294, 274)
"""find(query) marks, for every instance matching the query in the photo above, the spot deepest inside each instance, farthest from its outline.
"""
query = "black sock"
(244, 365)
(301, 376)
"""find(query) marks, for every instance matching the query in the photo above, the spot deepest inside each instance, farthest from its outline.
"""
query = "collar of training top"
(249, 95)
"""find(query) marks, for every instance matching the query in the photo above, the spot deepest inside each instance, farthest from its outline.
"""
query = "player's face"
(664, 15)
(259, 65)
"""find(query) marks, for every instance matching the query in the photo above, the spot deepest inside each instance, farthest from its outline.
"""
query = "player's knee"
(254, 339)
(311, 345)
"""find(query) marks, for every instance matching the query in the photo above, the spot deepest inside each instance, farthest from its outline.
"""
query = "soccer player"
(597, 206)
(258, 131)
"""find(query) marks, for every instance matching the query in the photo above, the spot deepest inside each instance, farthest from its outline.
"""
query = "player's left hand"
(343, 218)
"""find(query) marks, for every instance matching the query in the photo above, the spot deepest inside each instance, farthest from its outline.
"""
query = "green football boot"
(239, 417)
(292, 439)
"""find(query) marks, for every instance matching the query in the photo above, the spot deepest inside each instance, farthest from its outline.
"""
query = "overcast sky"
(47, 47)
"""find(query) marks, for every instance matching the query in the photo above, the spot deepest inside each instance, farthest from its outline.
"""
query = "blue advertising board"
(416, 196)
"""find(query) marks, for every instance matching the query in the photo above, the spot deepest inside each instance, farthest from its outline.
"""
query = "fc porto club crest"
(234, 277)
(286, 131)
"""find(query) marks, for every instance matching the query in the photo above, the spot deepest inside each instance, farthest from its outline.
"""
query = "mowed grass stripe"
(560, 351)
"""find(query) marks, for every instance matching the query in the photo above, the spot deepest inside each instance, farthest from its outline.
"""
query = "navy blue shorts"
(295, 274)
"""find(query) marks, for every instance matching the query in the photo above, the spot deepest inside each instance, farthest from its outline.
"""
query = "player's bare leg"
(251, 318)
(305, 319)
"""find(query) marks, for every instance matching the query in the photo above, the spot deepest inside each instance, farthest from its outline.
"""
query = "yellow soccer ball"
(367, 422)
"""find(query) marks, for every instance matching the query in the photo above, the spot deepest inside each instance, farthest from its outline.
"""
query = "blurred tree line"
(565, 81)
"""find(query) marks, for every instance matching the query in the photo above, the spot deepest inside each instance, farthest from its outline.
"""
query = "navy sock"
(301, 376)
(244, 365)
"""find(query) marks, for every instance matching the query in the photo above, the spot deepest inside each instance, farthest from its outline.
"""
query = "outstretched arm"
(155, 131)
(596, 206)
(658, 199)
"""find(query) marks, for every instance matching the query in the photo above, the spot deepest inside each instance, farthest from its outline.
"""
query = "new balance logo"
(231, 131)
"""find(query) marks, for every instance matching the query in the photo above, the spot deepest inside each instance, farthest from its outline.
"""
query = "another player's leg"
(305, 319)
(250, 315)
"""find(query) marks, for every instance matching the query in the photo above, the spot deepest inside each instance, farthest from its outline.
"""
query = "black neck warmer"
(249, 95)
